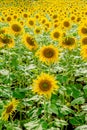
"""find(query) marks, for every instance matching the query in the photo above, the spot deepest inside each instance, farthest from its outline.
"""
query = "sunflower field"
(43, 64)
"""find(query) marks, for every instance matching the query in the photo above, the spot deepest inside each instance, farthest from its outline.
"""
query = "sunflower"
(9, 109)
(25, 15)
(6, 41)
(29, 42)
(68, 42)
(16, 28)
(31, 22)
(72, 17)
(37, 15)
(45, 84)
(47, 26)
(37, 30)
(66, 23)
(4, 30)
(15, 16)
(9, 18)
(56, 34)
(56, 24)
(55, 16)
(43, 20)
(82, 30)
(48, 54)
(84, 52)
(84, 41)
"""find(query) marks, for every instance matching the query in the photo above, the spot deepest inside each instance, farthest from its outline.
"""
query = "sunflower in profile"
(56, 34)
(84, 52)
(16, 28)
(48, 54)
(30, 42)
(9, 109)
(47, 25)
(45, 84)
(68, 42)
(37, 30)
(4, 30)
(6, 41)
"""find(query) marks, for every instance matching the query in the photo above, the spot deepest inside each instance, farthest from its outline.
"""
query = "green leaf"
(83, 127)
(78, 101)
(84, 107)
(53, 108)
(73, 90)
(62, 78)
(18, 94)
(85, 90)
(77, 120)
(76, 92)
(44, 124)
(65, 110)
(60, 123)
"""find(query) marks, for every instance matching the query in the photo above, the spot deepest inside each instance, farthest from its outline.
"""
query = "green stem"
(45, 109)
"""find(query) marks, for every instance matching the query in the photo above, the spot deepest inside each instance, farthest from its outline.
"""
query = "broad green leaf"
(83, 127)
(77, 121)
(18, 94)
(53, 108)
(78, 101)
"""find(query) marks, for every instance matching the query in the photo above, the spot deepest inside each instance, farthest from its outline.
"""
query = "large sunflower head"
(82, 30)
(68, 42)
(48, 54)
(9, 109)
(16, 28)
(6, 41)
(30, 42)
(45, 84)
(84, 40)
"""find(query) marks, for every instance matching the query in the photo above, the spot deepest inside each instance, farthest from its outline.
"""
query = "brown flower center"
(25, 15)
(8, 19)
(69, 41)
(9, 108)
(43, 21)
(16, 28)
(45, 85)
(30, 41)
(37, 30)
(54, 16)
(6, 40)
(84, 41)
(48, 52)
(31, 23)
(66, 24)
(56, 34)
(84, 30)
(73, 18)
